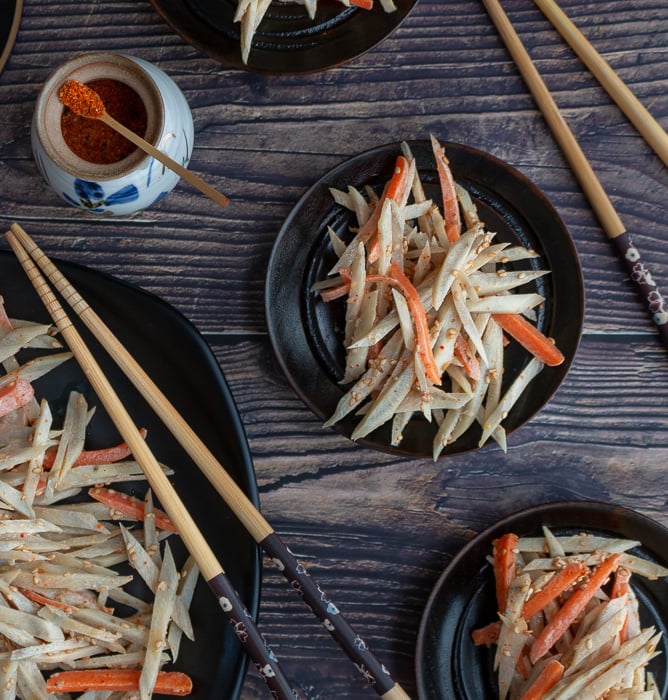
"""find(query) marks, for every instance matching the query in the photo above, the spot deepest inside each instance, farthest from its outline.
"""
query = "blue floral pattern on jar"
(92, 197)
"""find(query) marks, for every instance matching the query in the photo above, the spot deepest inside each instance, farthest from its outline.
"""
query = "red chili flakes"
(90, 138)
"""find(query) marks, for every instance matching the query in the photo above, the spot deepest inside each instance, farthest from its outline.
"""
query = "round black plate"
(305, 331)
(287, 40)
(448, 665)
(10, 17)
(180, 362)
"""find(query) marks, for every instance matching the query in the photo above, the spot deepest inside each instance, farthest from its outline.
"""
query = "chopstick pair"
(254, 522)
(644, 122)
(196, 544)
(600, 203)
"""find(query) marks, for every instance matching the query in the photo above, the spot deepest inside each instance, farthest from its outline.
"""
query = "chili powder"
(93, 140)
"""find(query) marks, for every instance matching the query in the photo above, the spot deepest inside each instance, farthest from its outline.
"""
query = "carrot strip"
(16, 394)
(368, 233)
(397, 278)
(106, 455)
(453, 222)
(364, 4)
(375, 350)
(117, 679)
(45, 600)
(396, 188)
(129, 505)
(546, 679)
(489, 634)
(504, 566)
(335, 292)
(467, 358)
(572, 607)
(530, 338)
(620, 585)
(554, 588)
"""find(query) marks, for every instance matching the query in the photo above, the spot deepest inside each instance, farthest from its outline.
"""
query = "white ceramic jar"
(138, 180)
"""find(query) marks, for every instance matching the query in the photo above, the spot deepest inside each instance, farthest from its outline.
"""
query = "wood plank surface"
(375, 528)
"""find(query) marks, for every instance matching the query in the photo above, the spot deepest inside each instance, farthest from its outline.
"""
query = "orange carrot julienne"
(129, 505)
(546, 679)
(106, 455)
(467, 358)
(560, 582)
(375, 350)
(116, 679)
(364, 4)
(45, 600)
(504, 567)
(15, 395)
(397, 278)
(453, 223)
(341, 289)
(620, 587)
(527, 335)
(337, 292)
(396, 188)
(572, 607)
(489, 634)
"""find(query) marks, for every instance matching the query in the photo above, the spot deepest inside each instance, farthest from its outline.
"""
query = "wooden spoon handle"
(183, 172)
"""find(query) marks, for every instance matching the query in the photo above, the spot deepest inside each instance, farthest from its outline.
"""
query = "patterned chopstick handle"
(252, 640)
(332, 620)
(643, 279)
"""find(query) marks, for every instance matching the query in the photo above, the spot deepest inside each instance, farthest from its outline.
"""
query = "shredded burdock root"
(429, 307)
(568, 620)
(250, 14)
(59, 548)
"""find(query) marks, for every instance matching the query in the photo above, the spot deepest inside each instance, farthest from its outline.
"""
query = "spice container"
(89, 165)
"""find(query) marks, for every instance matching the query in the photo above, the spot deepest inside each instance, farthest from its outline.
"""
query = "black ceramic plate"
(10, 17)
(305, 331)
(450, 667)
(182, 365)
(287, 40)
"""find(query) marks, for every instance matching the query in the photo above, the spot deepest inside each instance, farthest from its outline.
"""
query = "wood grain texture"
(377, 529)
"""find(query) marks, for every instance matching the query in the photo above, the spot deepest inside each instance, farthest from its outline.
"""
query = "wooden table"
(378, 529)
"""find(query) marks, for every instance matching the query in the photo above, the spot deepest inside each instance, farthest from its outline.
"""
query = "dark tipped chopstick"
(193, 539)
(600, 203)
(639, 116)
(255, 523)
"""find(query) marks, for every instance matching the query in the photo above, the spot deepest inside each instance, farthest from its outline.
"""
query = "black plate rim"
(273, 286)
(13, 29)
(569, 513)
(199, 33)
(78, 272)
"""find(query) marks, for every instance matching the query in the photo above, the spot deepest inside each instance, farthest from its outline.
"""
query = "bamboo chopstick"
(601, 204)
(193, 539)
(261, 531)
(648, 127)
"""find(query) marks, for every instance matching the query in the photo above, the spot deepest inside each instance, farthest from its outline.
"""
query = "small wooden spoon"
(85, 102)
